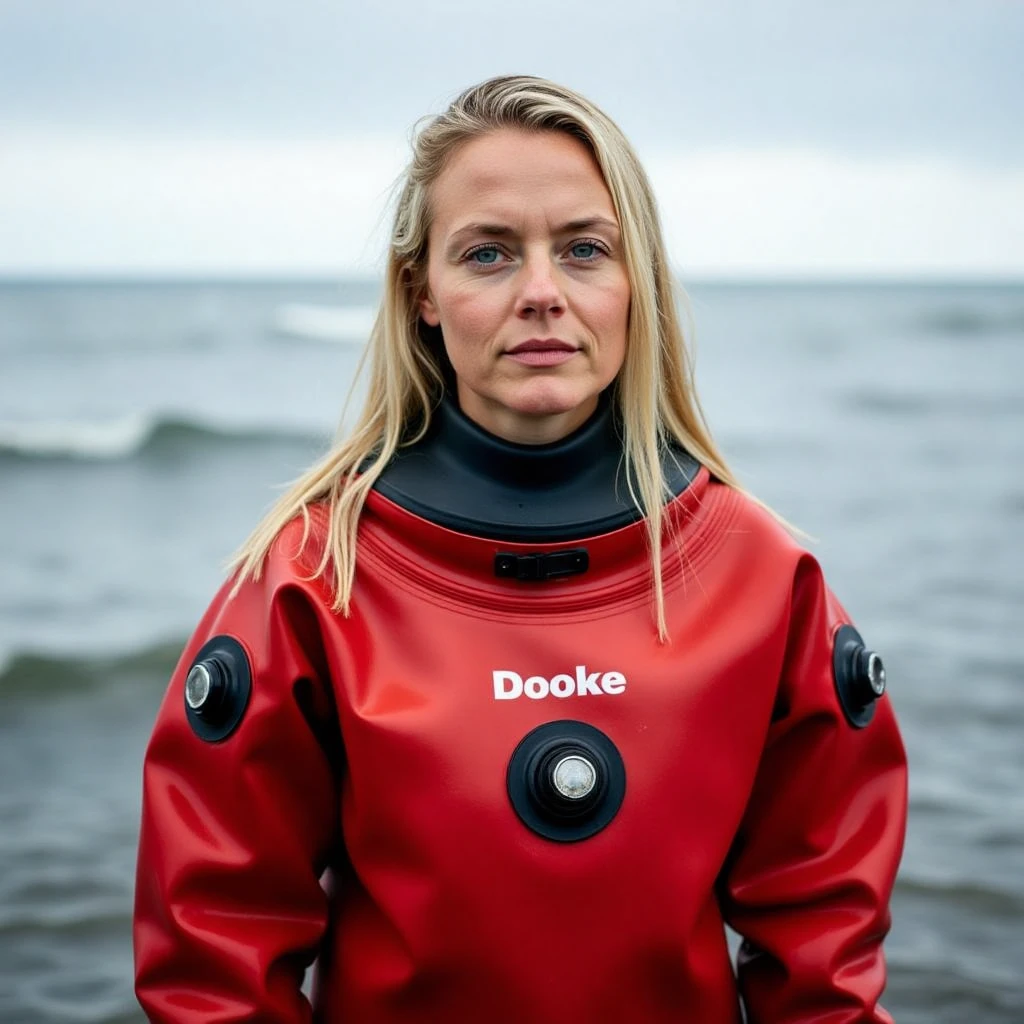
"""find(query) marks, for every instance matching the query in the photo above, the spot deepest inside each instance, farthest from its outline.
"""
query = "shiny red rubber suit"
(359, 812)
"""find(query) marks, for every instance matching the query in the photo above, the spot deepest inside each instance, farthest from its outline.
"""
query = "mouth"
(542, 352)
(542, 345)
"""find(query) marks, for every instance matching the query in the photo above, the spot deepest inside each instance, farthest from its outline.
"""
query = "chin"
(550, 399)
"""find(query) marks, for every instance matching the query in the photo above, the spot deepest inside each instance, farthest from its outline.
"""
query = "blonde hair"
(654, 390)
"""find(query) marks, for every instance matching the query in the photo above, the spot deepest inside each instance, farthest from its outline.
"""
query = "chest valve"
(566, 780)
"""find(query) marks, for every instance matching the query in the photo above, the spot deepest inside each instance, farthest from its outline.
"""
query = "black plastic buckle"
(550, 565)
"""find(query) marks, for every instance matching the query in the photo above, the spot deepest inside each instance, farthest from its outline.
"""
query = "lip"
(542, 345)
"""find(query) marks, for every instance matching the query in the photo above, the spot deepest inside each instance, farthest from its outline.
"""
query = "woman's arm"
(808, 884)
(229, 911)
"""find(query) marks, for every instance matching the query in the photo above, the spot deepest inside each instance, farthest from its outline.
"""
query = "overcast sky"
(783, 136)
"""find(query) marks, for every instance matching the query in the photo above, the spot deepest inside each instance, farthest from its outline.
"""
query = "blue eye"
(584, 251)
(488, 255)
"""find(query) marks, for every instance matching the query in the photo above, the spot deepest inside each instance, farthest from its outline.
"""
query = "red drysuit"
(360, 812)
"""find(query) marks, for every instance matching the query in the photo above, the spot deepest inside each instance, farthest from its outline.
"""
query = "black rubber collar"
(463, 478)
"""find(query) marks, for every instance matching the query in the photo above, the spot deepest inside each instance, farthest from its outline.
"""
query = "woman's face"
(526, 279)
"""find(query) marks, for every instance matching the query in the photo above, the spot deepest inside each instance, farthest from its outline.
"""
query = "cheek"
(612, 311)
(468, 318)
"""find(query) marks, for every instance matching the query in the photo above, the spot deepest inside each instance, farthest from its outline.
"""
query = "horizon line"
(779, 278)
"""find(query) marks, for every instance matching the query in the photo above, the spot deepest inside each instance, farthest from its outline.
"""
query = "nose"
(540, 292)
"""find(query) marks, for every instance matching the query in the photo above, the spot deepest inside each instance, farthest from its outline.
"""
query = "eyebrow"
(503, 230)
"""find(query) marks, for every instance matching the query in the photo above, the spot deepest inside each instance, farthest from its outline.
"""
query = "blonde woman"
(516, 699)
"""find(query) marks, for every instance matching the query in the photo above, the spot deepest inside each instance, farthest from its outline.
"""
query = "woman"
(516, 697)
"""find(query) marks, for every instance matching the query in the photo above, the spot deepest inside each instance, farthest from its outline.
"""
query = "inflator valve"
(566, 780)
(574, 777)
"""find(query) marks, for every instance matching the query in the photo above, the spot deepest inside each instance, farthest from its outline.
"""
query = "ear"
(428, 310)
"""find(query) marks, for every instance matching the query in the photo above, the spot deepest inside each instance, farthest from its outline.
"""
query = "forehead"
(508, 172)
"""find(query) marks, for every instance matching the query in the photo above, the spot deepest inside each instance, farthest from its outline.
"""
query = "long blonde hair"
(655, 388)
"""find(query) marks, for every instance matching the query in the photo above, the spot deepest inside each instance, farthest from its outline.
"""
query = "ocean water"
(145, 427)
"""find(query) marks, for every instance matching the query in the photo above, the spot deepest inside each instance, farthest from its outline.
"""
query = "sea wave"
(129, 436)
(32, 675)
(968, 322)
(879, 401)
(984, 899)
(336, 324)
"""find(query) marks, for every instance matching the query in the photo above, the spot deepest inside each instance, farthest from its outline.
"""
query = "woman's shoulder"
(771, 556)
(751, 523)
(296, 553)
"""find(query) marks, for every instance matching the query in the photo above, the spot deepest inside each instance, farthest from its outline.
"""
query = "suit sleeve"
(809, 881)
(229, 911)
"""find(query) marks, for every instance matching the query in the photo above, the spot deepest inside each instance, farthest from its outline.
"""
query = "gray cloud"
(920, 79)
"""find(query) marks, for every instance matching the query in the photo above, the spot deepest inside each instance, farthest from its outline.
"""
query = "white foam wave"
(96, 439)
(133, 434)
(344, 324)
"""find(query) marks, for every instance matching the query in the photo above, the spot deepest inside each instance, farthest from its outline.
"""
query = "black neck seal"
(465, 479)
